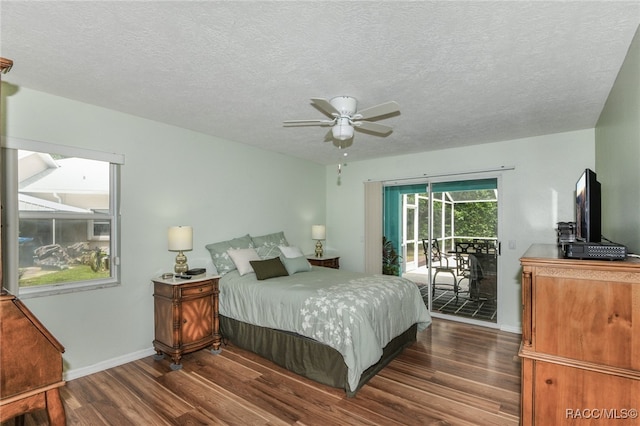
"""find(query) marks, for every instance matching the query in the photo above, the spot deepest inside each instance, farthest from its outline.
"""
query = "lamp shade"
(342, 130)
(318, 232)
(180, 238)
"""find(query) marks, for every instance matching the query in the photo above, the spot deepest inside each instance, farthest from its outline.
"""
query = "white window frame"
(11, 216)
(91, 233)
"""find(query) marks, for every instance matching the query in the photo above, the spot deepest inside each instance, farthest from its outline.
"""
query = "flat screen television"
(588, 208)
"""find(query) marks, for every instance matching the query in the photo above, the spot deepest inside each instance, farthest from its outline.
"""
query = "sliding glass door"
(402, 223)
(446, 234)
(465, 228)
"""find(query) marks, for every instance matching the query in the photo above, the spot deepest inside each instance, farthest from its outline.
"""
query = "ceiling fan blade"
(324, 106)
(290, 123)
(377, 111)
(368, 126)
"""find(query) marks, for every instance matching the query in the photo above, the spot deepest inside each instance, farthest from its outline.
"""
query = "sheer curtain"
(373, 227)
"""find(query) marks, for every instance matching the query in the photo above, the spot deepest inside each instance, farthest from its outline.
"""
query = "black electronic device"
(196, 271)
(602, 251)
(566, 232)
(588, 208)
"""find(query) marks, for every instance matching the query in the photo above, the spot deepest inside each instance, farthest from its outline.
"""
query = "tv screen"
(588, 208)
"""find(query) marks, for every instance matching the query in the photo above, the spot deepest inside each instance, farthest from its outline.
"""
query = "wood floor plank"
(216, 402)
(454, 374)
(136, 379)
(434, 400)
(119, 404)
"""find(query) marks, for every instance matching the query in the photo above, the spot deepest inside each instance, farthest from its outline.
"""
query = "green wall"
(618, 154)
(171, 176)
(536, 194)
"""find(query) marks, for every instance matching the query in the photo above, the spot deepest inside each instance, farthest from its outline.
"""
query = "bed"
(333, 326)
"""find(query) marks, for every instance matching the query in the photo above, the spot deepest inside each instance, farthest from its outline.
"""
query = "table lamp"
(318, 233)
(180, 239)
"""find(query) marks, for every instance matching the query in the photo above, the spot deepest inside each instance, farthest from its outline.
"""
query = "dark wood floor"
(455, 374)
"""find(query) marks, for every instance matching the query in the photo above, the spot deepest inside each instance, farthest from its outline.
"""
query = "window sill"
(52, 290)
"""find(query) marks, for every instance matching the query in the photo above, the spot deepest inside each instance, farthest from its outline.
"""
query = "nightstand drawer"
(196, 290)
(327, 262)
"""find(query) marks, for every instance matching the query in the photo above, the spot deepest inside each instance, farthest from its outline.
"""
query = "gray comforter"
(354, 313)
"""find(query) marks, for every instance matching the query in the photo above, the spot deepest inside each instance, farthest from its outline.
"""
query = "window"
(99, 230)
(62, 218)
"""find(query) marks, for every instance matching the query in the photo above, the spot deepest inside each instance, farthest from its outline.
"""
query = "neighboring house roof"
(33, 163)
(29, 203)
(65, 185)
(71, 176)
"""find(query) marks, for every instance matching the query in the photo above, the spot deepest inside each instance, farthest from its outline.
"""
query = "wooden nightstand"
(326, 261)
(186, 317)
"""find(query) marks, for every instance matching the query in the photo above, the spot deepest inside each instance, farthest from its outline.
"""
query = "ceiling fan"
(345, 117)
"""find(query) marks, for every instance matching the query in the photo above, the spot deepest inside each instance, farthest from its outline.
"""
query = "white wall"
(618, 154)
(171, 177)
(535, 196)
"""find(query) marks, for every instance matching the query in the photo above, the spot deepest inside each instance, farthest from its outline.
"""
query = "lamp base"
(181, 264)
(319, 251)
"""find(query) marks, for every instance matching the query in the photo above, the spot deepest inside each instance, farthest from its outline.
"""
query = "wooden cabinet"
(186, 317)
(30, 364)
(327, 262)
(580, 339)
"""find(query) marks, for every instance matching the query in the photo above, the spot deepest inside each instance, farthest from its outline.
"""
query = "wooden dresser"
(186, 317)
(30, 364)
(580, 340)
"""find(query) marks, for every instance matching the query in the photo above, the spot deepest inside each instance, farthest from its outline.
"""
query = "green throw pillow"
(295, 264)
(267, 245)
(219, 255)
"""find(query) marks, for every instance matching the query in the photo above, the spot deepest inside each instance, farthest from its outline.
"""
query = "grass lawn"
(74, 273)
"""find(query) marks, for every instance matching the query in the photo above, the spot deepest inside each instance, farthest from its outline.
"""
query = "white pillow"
(242, 257)
(290, 251)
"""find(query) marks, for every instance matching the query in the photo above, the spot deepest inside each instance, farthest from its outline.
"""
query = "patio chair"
(473, 258)
(440, 263)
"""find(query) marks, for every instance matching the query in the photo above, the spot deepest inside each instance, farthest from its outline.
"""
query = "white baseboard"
(105, 365)
(511, 329)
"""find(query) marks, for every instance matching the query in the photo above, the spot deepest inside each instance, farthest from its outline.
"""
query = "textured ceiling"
(464, 73)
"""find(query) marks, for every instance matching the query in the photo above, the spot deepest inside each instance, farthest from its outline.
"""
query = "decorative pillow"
(241, 242)
(219, 255)
(267, 245)
(295, 264)
(268, 268)
(290, 251)
(242, 257)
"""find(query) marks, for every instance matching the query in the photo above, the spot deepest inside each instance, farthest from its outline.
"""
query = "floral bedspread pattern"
(356, 314)
(346, 300)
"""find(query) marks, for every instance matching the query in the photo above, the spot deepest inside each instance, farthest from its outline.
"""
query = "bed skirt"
(306, 356)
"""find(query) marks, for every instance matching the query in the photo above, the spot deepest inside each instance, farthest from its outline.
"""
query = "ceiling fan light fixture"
(342, 130)
(344, 117)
